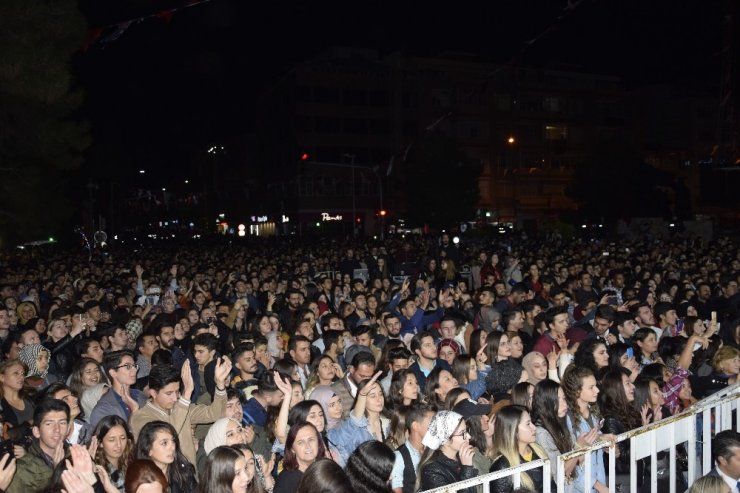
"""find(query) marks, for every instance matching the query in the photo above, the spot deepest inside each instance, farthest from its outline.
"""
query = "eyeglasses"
(461, 434)
(127, 366)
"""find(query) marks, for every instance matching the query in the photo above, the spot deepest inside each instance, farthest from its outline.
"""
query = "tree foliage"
(440, 182)
(41, 137)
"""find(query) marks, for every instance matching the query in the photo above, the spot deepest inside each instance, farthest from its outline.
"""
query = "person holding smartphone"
(581, 394)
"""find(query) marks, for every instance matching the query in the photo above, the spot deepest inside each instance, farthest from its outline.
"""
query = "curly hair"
(585, 357)
(572, 384)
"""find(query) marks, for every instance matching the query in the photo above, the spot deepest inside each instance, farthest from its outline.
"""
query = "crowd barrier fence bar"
(645, 443)
(485, 479)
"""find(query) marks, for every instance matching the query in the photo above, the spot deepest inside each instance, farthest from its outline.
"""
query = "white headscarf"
(441, 428)
(217, 434)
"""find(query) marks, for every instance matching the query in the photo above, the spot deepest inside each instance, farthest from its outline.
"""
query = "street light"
(511, 139)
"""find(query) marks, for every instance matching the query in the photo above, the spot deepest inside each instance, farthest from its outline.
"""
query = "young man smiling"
(168, 405)
(50, 425)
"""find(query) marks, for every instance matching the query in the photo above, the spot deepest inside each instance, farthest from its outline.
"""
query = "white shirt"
(732, 483)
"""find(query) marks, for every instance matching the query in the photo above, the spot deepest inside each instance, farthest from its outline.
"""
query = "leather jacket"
(443, 471)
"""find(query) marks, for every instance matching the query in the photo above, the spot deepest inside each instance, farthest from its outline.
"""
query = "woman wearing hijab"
(36, 358)
(448, 457)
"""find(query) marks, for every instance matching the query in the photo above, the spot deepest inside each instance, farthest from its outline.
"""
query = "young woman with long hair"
(581, 394)
(619, 357)
(226, 471)
(648, 400)
(404, 389)
(85, 374)
(645, 345)
(617, 396)
(480, 429)
(549, 409)
(514, 442)
(470, 375)
(159, 442)
(114, 447)
(16, 407)
(367, 421)
(323, 372)
(497, 347)
(438, 384)
(448, 457)
(593, 355)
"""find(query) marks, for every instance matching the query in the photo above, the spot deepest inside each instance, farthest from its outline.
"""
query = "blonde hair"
(707, 484)
(723, 354)
(506, 438)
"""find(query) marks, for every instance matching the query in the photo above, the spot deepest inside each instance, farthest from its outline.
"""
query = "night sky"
(164, 91)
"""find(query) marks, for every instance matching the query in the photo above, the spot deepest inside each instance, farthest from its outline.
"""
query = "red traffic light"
(304, 156)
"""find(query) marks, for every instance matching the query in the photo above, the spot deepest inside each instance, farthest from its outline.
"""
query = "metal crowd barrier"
(485, 479)
(715, 413)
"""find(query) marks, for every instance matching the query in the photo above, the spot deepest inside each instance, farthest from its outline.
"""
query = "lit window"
(555, 132)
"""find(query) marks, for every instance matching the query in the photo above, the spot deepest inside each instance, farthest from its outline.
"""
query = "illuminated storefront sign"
(325, 216)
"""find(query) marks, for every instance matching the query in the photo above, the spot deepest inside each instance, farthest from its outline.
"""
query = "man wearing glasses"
(122, 399)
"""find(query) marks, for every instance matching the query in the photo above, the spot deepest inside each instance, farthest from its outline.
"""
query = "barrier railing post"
(633, 466)
(672, 458)
(588, 482)
(653, 464)
(706, 436)
(692, 449)
(612, 468)
(560, 474)
(546, 477)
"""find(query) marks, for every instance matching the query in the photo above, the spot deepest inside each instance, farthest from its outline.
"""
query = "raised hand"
(466, 454)
(370, 384)
(92, 449)
(644, 414)
(73, 483)
(58, 455)
(588, 438)
(552, 359)
(222, 371)
(7, 471)
(139, 270)
(283, 384)
(480, 356)
(128, 400)
(188, 385)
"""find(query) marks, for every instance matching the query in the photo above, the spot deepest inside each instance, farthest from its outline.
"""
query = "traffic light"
(383, 212)
(304, 156)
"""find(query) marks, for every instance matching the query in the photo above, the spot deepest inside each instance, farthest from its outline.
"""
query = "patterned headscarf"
(448, 342)
(134, 327)
(28, 355)
(441, 428)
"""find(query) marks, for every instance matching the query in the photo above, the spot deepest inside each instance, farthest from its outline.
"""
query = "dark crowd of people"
(359, 366)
